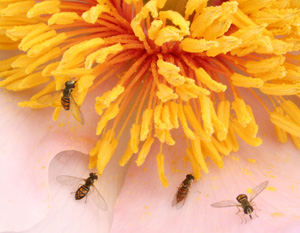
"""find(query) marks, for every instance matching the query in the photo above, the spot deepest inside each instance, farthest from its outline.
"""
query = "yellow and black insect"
(182, 192)
(245, 204)
(66, 99)
(85, 189)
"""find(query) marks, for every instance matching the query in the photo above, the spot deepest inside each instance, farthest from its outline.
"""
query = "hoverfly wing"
(99, 199)
(258, 189)
(68, 180)
(177, 203)
(224, 203)
(49, 98)
(75, 110)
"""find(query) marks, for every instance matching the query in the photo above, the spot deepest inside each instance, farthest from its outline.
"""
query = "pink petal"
(29, 140)
(144, 205)
(65, 213)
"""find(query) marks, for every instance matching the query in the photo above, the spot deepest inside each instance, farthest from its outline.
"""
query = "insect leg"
(253, 204)
(240, 217)
(255, 209)
(239, 210)
(244, 219)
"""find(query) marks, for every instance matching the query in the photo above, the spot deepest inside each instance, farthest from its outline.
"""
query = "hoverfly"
(246, 205)
(182, 192)
(83, 190)
(66, 99)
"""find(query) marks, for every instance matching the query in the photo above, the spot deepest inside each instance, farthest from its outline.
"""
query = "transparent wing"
(258, 189)
(68, 180)
(75, 110)
(176, 203)
(224, 203)
(98, 199)
(49, 98)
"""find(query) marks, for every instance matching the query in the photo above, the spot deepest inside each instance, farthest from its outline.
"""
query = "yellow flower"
(183, 69)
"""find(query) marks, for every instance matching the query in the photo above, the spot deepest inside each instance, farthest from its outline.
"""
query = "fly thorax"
(89, 181)
(188, 180)
(67, 92)
(242, 198)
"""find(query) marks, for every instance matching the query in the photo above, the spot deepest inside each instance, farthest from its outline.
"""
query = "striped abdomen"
(65, 102)
(81, 192)
(182, 193)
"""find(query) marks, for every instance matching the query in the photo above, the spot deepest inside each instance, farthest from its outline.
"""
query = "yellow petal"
(296, 141)
(280, 89)
(127, 155)
(159, 124)
(85, 82)
(53, 54)
(144, 151)
(224, 45)
(221, 25)
(241, 111)
(32, 80)
(160, 134)
(220, 147)
(204, 20)
(161, 169)
(170, 72)
(154, 28)
(19, 32)
(166, 117)
(104, 52)
(245, 81)
(244, 134)
(63, 18)
(18, 8)
(56, 113)
(219, 127)
(292, 110)
(146, 123)
(169, 140)
(105, 154)
(203, 77)
(134, 139)
(197, 46)
(195, 165)
(165, 93)
(190, 90)
(285, 124)
(47, 45)
(281, 134)
(188, 132)
(206, 114)
(223, 114)
(193, 5)
(40, 29)
(45, 7)
(94, 12)
(107, 98)
(173, 106)
(264, 65)
(167, 34)
(71, 72)
(209, 149)
(254, 5)
(177, 20)
(196, 147)
(109, 114)
(194, 122)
